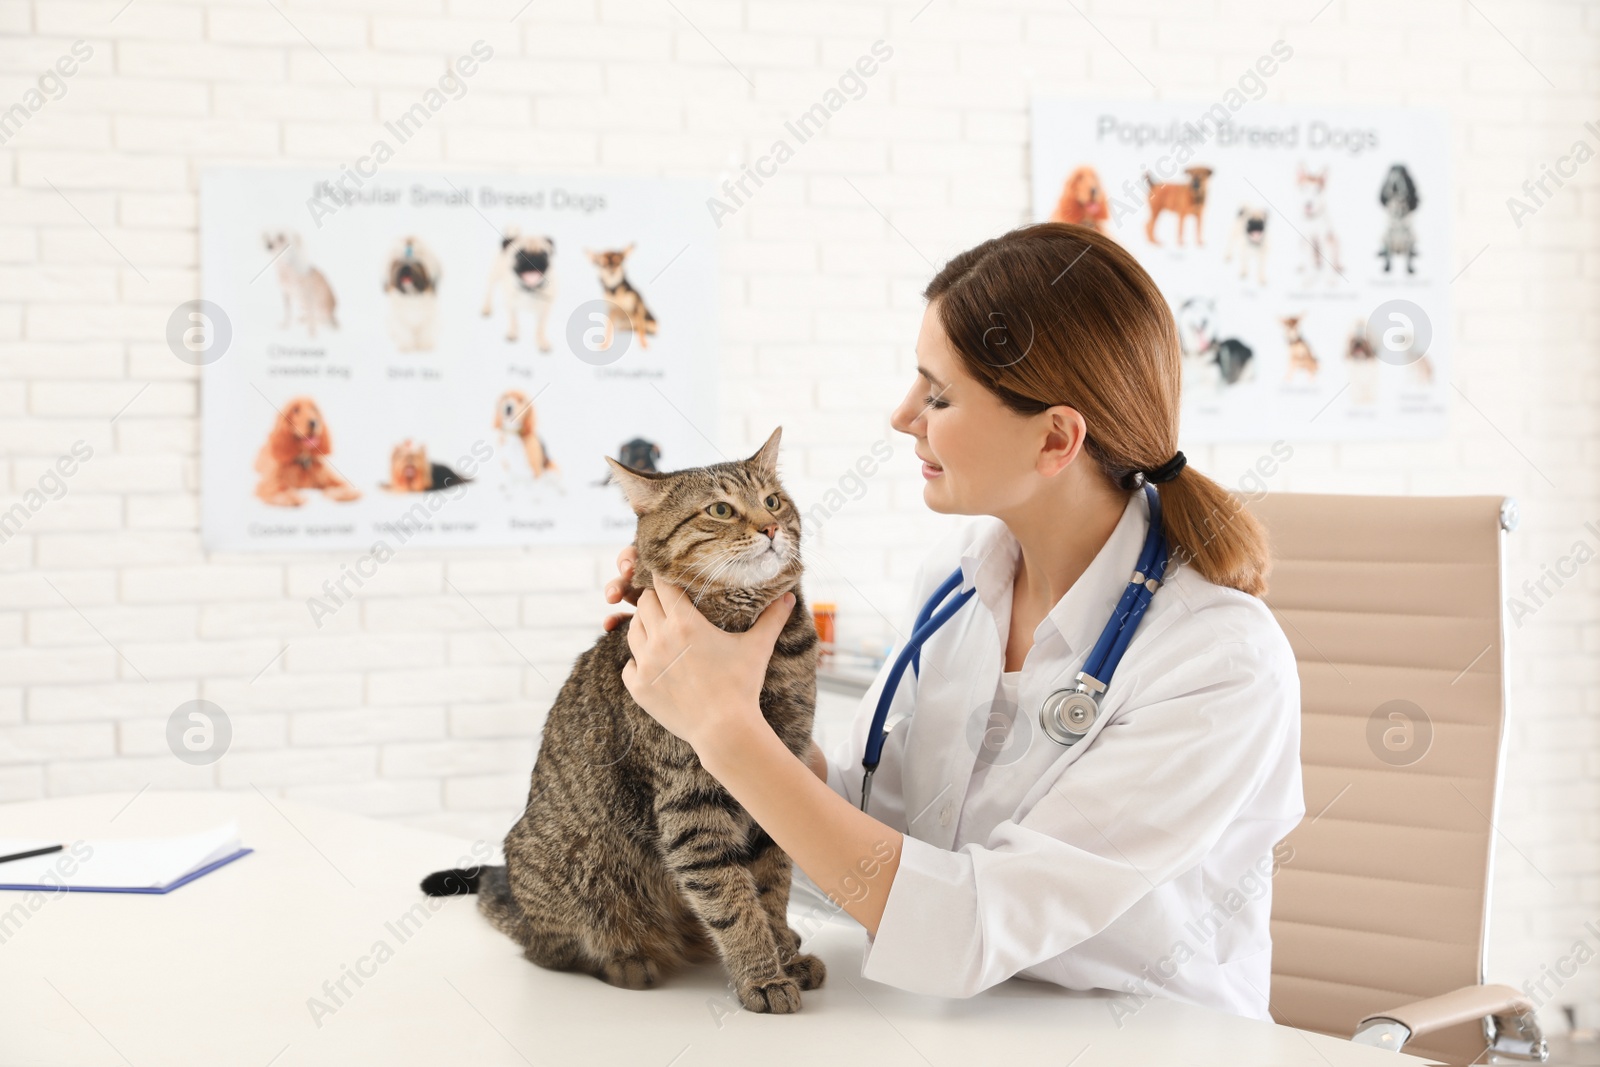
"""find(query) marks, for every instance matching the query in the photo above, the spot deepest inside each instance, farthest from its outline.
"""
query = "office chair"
(1380, 913)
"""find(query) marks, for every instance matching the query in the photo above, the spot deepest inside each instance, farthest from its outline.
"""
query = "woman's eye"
(720, 510)
(773, 503)
(935, 402)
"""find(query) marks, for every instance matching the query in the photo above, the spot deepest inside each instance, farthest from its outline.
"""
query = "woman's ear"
(1064, 438)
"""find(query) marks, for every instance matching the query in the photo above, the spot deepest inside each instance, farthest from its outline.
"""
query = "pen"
(33, 852)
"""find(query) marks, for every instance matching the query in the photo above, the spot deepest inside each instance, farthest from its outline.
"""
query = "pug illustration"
(522, 273)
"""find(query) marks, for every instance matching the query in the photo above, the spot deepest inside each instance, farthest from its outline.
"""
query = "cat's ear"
(643, 489)
(766, 457)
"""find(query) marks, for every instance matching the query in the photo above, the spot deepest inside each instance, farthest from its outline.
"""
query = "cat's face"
(729, 526)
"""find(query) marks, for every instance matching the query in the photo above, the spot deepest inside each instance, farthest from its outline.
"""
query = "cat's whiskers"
(718, 565)
(726, 563)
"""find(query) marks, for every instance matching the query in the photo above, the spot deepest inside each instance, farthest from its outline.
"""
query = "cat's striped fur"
(630, 859)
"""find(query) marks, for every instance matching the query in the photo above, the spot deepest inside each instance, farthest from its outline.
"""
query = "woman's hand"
(700, 682)
(621, 587)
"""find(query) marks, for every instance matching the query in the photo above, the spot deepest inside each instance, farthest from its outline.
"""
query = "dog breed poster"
(1305, 252)
(448, 358)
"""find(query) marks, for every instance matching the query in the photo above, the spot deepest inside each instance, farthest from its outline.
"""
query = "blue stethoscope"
(1066, 714)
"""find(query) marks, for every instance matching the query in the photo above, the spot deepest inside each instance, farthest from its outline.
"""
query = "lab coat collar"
(990, 565)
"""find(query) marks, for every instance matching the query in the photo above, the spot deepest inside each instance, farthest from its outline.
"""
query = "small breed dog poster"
(444, 358)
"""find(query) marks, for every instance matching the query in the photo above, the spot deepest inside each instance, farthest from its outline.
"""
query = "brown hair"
(1058, 313)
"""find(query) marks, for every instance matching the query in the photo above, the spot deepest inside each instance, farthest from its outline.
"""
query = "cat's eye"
(772, 502)
(720, 510)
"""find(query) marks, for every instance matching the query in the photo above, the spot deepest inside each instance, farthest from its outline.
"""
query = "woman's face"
(979, 457)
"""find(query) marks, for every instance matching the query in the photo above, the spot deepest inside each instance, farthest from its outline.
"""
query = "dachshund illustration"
(639, 454)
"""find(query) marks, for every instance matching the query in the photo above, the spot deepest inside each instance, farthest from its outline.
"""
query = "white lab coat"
(1136, 860)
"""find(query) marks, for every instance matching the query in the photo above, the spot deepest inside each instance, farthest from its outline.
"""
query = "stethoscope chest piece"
(1067, 714)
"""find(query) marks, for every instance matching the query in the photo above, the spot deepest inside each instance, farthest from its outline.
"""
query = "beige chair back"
(1393, 606)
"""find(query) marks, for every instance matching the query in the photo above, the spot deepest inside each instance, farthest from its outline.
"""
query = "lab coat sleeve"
(1143, 804)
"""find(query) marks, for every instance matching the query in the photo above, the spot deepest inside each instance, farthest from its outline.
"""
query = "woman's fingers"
(649, 613)
(613, 621)
(621, 587)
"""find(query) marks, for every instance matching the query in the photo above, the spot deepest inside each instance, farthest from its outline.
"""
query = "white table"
(221, 972)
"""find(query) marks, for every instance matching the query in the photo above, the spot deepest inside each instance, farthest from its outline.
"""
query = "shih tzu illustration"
(1361, 360)
(1083, 201)
(627, 310)
(1321, 241)
(303, 285)
(514, 414)
(411, 283)
(1301, 358)
(1210, 362)
(522, 271)
(1399, 199)
(410, 471)
(295, 458)
(1248, 241)
(1184, 199)
(639, 454)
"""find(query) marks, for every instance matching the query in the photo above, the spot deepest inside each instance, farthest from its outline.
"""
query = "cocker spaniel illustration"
(1083, 201)
(294, 458)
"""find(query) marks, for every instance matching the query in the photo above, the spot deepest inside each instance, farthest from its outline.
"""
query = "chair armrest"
(1513, 1030)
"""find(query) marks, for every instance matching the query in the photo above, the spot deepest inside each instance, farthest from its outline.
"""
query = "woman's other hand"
(621, 587)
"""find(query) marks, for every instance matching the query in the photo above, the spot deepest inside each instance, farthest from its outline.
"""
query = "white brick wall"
(412, 703)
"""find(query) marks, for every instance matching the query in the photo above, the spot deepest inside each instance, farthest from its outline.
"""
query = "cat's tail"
(493, 889)
(459, 881)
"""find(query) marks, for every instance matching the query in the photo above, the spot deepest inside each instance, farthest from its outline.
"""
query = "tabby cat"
(630, 859)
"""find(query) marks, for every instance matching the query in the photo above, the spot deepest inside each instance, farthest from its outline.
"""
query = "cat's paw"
(631, 972)
(808, 971)
(780, 996)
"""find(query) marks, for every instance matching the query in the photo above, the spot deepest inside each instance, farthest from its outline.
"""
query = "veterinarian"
(1137, 859)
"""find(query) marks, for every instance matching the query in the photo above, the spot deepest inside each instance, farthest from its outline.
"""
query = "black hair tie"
(1167, 471)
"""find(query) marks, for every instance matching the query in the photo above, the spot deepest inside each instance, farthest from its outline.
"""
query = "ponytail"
(1208, 528)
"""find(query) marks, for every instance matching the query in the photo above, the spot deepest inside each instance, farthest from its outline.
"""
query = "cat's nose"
(771, 530)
